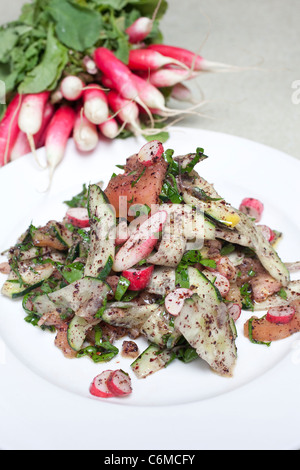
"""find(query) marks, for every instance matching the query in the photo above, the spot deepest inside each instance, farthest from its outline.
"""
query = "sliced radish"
(79, 217)
(234, 311)
(151, 153)
(99, 386)
(119, 383)
(141, 242)
(175, 300)
(221, 282)
(281, 315)
(139, 278)
(267, 232)
(253, 208)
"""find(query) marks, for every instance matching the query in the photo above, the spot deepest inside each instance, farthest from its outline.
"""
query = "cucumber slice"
(150, 361)
(14, 290)
(162, 281)
(32, 276)
(131, 317)
(103, 232)
(159, 330)
(203, 195)
(84, 297)
(208, 329)
(77, 332)
(264, 251)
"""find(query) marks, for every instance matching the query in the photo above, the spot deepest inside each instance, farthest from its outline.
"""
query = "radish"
(181, 92)
(31, 116)
(121, 77)
(58, 133)
(72, 88)
(141, 243)
(155, 100)
(149, 60)
(99, 386)
(151, 153)
(119, 383)
(221, 282)
(234, 311)
(90, 65)
(110, 128)
(165, 78)
(139, 30)
(281, 315)
(95, 104)
(253, 208)
(9, 129)
(126, 110)
(142, 27)
(139, 278)
(267, 233)
(78, 216)
(190, 59)
(21, 147)
(39, 138)
(85, 134)
(175, 300)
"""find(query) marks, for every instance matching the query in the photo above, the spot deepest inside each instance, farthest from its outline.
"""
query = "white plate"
(44, 398)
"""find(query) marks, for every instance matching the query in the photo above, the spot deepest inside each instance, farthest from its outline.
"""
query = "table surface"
(261, 101)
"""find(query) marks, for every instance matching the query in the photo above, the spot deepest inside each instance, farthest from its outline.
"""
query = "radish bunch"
(112, 96)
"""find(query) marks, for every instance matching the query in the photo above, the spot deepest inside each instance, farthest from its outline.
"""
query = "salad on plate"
(157, 254)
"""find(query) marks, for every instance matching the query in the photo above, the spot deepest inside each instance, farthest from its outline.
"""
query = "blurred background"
(261, 101)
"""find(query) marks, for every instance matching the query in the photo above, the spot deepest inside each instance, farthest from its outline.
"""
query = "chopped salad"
(157, 254)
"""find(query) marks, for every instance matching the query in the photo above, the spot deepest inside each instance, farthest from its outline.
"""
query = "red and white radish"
(119, 383)
(85, 134)
(220, 282)
(151, 153)
(175, 300)
(78, 216)
(9, 129)
(58, 133)
(90, 65)
(149, 60)
(139, 277)
(267, 233)
(253, 208)
(72, 88)
(155, 100)
(142, 27)
(21, 147)
(95, 104)
(39, 138)
(280, 315)
(120, 76)
(234, 311)
(141, 243)
(190, 59)
(31, 116)
(169, 77)
(99, 387)
(126, 110)
(110, 128)
(181, 92)
(139, 30)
